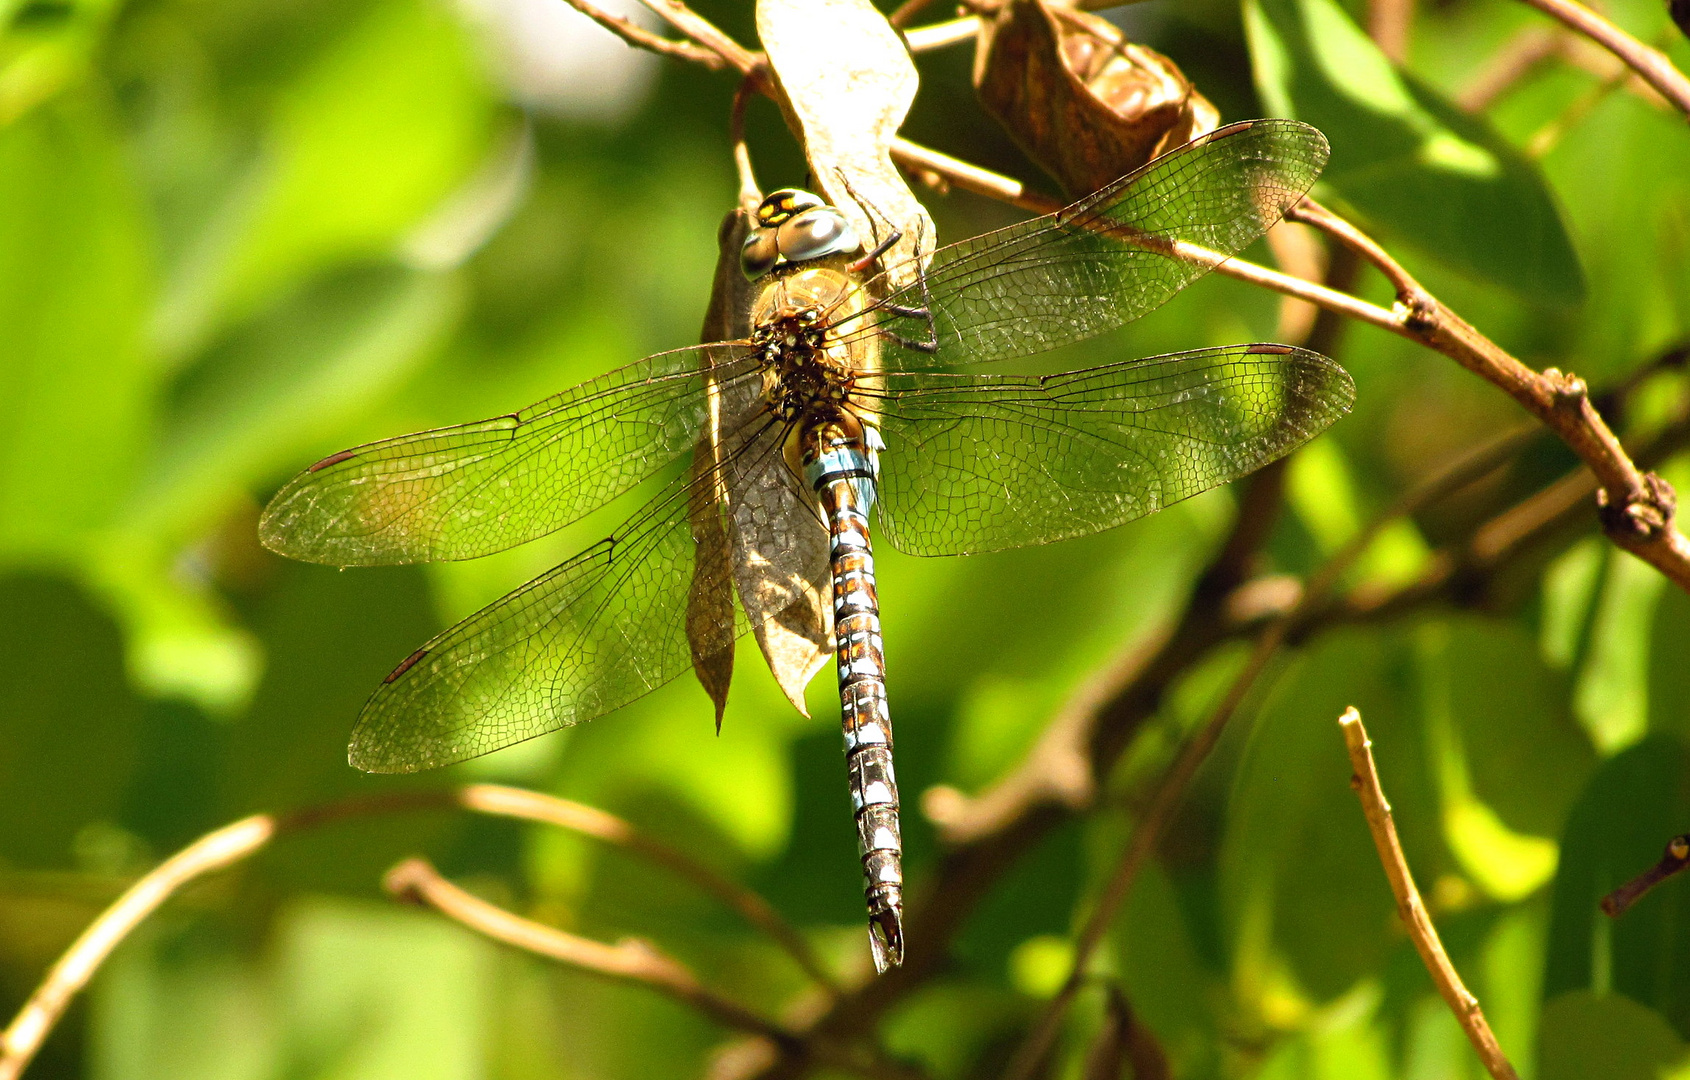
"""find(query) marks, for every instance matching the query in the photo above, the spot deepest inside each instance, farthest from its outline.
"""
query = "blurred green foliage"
(238, 235)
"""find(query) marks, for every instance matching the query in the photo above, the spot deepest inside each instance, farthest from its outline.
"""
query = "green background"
(237, 235)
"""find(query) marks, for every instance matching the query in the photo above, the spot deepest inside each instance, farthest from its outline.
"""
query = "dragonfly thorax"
(803, 360)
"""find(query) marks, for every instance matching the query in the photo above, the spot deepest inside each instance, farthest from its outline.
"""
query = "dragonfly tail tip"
(886, 939)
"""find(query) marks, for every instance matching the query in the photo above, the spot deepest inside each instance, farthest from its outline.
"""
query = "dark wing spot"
(405, 665)
(1270, 350)
(332, 459)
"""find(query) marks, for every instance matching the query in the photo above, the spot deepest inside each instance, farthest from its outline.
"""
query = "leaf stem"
(1365, 779)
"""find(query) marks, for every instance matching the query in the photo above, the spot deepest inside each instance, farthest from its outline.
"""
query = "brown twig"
(750, 193)
(703, 33)
(1365, 779)
(42, 1011)
(1674, 860)
(630, 960)
(641, 38)
(590, 821)
(1637, 509)
(1388, 24)
(1124, 1043)
(1650, 63)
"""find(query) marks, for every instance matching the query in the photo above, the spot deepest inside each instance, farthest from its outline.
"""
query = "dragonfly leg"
(880, 249)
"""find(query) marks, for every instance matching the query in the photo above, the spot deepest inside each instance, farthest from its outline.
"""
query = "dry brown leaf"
(755, 531)
(1084, 103)
(847, 82)
(710, 615)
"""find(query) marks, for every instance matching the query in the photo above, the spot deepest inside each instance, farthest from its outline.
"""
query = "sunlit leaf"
(1299, 873)
(1411, 164)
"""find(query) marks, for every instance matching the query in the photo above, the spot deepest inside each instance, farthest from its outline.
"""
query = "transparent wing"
(473, 489)
(1107, 259)
(589, 636)
(982, 462)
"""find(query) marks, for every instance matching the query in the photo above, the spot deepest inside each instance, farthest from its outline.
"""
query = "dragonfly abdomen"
(840, 461)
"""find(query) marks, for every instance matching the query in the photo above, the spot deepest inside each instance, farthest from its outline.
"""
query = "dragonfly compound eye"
(815, 234)
(758, 255)
(778, 206)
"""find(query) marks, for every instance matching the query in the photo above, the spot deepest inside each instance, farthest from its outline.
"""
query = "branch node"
(1642, 519)
(1568, 390)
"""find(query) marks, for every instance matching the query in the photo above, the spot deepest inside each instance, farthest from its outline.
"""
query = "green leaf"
(45, 48)
(1587, 1036)
(1634, 804)
(75, 273)
(1298, 869)
(1488, 693)
(1409, 163)
(358, 149)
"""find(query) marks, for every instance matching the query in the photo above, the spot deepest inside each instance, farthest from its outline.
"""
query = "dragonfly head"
(795, 226)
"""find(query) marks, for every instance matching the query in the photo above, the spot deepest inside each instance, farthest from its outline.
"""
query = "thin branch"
(641, 38)
(1409, 291)
(750, 193)
(630, 960)
(1388, 24)
(1125, 1043)
(42, 1011)
(234, 842)
(1461, 1002)
(1674, 860)
(591, 821)
(1637, 509)
(942, 35)
(1650, 63)
(703, 33)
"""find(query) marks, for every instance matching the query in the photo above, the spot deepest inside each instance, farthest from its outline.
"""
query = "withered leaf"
(754, 530)
(847, 82)
(1083, 102)
(710, 610)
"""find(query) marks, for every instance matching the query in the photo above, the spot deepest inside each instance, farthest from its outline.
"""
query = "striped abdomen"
(840, 464)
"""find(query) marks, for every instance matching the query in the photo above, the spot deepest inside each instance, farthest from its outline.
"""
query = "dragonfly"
(856, 401)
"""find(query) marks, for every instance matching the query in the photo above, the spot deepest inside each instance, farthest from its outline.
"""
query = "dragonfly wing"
(1107, 259)
(983, 462)
(591, 635)
(473, 489)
